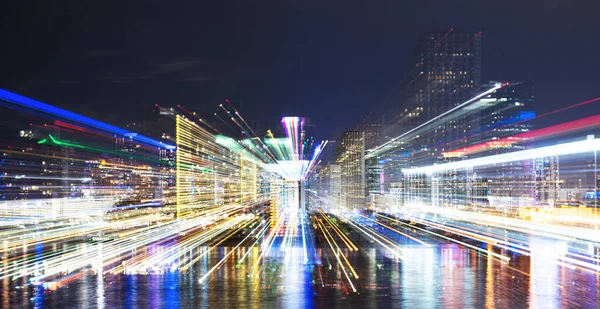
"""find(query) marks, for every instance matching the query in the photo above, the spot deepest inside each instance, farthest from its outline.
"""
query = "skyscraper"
(507, 111)
(351, 158)
(547, 180)
(447, 72)
(373, 125)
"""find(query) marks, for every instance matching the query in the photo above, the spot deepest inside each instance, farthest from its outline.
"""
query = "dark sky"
(328, 60)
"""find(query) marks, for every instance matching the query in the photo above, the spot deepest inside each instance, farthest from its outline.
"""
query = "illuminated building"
(374, 171)
(374, 181)
(308, 129)
(547, 181)
(372, 125)
(325, 182)
(351, 159)
(335, 184)
(478, 190)
(33, 170)
(159, 123)
(506, 111)
(447, 72)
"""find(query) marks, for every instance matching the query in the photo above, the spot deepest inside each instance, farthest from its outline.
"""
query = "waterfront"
(441, 276)
(290, 154)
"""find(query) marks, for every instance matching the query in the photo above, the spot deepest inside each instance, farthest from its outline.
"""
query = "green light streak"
(74, 145)
(66, 144)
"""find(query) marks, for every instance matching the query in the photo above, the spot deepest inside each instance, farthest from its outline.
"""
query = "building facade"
(351, 158)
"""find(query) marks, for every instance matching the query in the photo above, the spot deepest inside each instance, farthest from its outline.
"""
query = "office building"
(351, 158)
(446, 72)
(373, 126)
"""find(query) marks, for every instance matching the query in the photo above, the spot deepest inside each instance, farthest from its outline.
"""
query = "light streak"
(528, 136)
(378, 150)
(227, 256)
(258, 238)
(342, 236)
(396, 231)
(555, 150)
(337, 254)
(58, 112)
(371, 235)
(499, 256)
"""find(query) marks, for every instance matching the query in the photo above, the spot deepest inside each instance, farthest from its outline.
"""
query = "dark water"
(440, 276)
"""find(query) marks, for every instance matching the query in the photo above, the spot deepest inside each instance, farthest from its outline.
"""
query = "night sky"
(327, 60)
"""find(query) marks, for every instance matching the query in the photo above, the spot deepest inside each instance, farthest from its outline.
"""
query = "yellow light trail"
(339, 250)
(336, 254)
(227, 256)
(344, 238)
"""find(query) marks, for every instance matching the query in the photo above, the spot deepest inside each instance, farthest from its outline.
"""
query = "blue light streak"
(59, 112)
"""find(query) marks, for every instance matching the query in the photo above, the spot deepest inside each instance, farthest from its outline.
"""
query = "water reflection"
(440, 276)
(419, 282)
(543, 285)
(100, 303)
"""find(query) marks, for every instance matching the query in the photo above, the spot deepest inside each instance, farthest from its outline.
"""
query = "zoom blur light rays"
(578, 147)
(58, 112)
(131, 202)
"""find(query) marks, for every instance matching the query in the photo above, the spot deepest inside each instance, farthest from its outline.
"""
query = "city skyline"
(300, 155)
(100, 71)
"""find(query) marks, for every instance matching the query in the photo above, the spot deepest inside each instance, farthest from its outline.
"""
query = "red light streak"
(531, 135)
(522, 121)
(443, 38)
(73, 127)
(185, 110)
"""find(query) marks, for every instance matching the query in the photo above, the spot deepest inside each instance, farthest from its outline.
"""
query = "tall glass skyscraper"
(446, 72)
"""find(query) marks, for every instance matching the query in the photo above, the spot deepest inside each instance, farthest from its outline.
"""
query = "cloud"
(97, 53)
(121, 81)
(197, 79)
(183, 70)
(67, 82)
(179, 66)
(49, 82)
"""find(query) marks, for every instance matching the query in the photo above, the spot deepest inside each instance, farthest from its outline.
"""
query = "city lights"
(257, 156)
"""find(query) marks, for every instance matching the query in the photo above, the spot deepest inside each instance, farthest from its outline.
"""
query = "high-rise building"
(325, 184)
(351, 158)
(374, 173)
(507, 111)
(372, 125)
(503, 113)
(447, 72)
(335, 185)
(547, 184)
